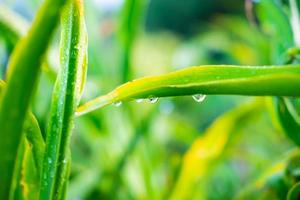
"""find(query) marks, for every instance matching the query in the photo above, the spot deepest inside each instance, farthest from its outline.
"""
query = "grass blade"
(23, 72)
(238, 80)
(67, 92)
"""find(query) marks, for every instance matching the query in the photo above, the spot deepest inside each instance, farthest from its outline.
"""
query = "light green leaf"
(207, 149)
(275, 181)
(223, 79)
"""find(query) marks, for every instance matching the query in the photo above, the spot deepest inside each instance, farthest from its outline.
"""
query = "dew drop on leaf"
(118, 103)
(199, 97)
(153, 99)
(139, 100)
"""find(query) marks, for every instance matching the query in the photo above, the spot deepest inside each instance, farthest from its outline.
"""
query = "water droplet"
(199, 97)
(49, 160)
(153, 99)
(64, 161)
(118, 103)
(139, 100)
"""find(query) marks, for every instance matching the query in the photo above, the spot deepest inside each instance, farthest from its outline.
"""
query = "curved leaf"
(275, 181)
(288, 118)
(205, 150)
(294, 192)
(29, 159)
(28, 167)
(12, 26)
(223, 79)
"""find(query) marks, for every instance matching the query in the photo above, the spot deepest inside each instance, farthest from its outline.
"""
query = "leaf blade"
(222, 79)
(65, 98)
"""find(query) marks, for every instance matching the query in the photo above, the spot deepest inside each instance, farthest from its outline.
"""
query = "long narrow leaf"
(129, 26)
(239, 80)
(276, 23)
(31, 148)
(289, 119)
(67, 92)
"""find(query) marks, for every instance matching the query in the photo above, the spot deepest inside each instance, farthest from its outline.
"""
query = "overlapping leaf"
(23, 71)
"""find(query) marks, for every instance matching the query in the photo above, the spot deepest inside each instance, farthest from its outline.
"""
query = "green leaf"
(29, 159)
(35, 139)
(294, 192)
(26, 178)
(276, 24)
(239, 80)
(23, 71)
(288, 118)
(65, 98)
(276, 181)
(209, 148)
(12, 26)
(129, 24)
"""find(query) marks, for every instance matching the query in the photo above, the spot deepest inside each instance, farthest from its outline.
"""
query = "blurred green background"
(162, 150)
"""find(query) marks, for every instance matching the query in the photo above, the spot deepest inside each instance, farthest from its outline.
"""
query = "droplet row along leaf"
(222, 79)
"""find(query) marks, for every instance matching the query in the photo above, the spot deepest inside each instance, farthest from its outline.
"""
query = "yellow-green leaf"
(222, 79)
(209, 148)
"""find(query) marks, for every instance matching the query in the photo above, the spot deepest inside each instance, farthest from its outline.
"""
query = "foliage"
(228, 147)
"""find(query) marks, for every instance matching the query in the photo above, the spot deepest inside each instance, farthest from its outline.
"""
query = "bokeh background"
(162, 150)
